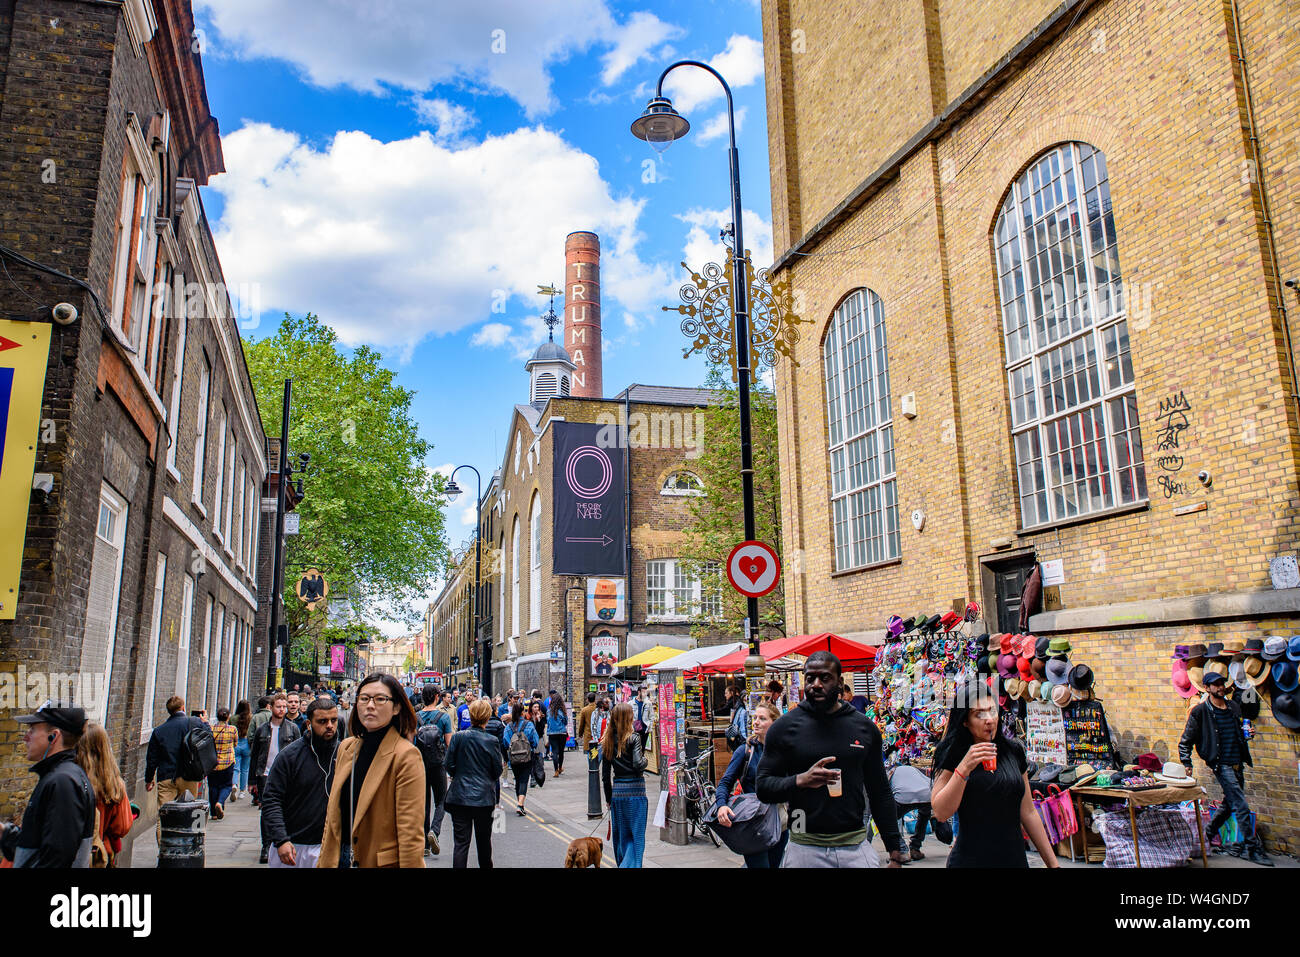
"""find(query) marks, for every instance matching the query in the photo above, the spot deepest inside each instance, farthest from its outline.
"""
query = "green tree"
(372, 513)
(718, 518)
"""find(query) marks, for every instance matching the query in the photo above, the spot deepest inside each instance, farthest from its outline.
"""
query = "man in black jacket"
(298, 787)
(166, 746)
(1214, 729)
(271, 738)
(828, 805)
(60, 816)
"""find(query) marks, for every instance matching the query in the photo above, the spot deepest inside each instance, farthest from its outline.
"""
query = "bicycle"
(699, 794)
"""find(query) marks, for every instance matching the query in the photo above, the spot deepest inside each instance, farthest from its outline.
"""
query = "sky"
(408, 171)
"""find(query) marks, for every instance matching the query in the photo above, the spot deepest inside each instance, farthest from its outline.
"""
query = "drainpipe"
(627, 500)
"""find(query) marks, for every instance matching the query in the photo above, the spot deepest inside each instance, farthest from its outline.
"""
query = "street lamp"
(482, 649)
(659, 126)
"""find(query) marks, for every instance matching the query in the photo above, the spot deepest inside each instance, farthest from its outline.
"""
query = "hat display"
(1217, 667)
(1081, 678)
(1175, 775)
(1061, 695)
(58, 715)
(1150, 761)
(1179, 679)
(1285, 676)
(1196, 675)
(1195, 651)
(1274, 648)
(1254, 646)
(1293, 648)
(1255, 669)
(1057, 670)
(1286, 709)
(1215, 650)
(1006, 665)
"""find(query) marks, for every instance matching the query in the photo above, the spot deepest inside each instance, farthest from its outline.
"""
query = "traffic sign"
(753, 569)
(312, 588)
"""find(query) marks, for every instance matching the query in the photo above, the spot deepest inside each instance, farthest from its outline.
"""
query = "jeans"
(922, 822)
(219, 784)
(771, 858)
(628, 811)
(243, 753)
(435, 796)
(558, 742)
(464, 819)
(1233, 782)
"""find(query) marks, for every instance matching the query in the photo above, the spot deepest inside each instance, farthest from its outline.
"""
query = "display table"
(1139, 799)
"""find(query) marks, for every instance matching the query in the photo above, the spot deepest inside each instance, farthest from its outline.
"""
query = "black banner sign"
(588, 502)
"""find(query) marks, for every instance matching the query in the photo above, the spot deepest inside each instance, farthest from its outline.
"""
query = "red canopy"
(853, 655)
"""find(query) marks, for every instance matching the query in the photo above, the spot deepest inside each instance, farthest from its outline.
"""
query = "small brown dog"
(584, 852)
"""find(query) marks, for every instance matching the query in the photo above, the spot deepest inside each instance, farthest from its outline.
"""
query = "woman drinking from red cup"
(981, 777)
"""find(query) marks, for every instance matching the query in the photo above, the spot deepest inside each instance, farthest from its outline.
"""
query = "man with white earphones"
(60, 816)
(298, 788)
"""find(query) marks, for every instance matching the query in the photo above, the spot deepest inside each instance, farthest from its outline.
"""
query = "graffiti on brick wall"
(1171, 442)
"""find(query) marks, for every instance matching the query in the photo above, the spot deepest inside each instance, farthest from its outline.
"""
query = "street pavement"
(557, 813)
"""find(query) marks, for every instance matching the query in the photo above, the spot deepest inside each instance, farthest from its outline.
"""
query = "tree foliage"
(372, 513)
(717, 517)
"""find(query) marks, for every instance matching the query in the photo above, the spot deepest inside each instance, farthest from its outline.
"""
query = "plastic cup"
(991, 764)
(836, 787)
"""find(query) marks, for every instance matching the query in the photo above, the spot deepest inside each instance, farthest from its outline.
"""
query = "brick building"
(1045, 274)
(525, 605)
(139, 565)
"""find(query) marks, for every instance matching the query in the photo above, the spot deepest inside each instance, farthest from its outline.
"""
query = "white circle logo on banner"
(753, 569)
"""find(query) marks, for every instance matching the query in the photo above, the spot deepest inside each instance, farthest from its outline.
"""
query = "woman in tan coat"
(378, 794)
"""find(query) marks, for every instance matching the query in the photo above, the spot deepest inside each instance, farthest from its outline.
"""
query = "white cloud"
(716, 127)
(448, 120)
(632, 43)
(392, 241)
(740, 64)
(703, 245)
(632, 322)
(503, 45)
(492, 334)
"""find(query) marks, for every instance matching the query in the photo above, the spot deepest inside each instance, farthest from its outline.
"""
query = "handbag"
(755, 826)
(1045, 814)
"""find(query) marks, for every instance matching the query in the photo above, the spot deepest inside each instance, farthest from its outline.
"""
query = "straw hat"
(1196, 675)
(1175, 775)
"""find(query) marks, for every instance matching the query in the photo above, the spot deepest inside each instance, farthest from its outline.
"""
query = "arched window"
(535, 572)
(864, 495)
(682, 483)
(1074, 418)
(514, 579)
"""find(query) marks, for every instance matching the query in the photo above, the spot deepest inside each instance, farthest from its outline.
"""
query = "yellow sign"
(312, 589)
(24, 353)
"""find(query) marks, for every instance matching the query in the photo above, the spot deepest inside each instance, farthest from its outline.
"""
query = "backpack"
(432, 742)
(198, 753)
(521, 752)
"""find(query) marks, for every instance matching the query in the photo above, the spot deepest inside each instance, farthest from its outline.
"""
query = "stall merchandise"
(1269, 665)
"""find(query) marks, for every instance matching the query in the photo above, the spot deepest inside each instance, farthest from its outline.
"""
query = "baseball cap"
(57, 714)
(1213, 677)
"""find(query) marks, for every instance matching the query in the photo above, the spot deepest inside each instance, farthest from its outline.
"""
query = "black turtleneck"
(351, 794)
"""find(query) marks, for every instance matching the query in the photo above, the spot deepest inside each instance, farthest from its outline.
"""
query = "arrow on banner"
(8, 344)
(603, 540)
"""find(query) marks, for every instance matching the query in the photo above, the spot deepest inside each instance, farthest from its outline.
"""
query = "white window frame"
(218, 635)
(178, 376)
(207, 648)
(535, 569)
(1065, 337)
(230, 664)
(201, 434)
(183, 638)
(860, 432)
(501, 598)
(670, 486)
(219, 495)
(147, 708)
(514, 579)
(226, 542)
(675, 580)
(119, 511)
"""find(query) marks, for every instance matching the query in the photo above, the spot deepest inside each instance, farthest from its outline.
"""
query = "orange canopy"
(853, 655)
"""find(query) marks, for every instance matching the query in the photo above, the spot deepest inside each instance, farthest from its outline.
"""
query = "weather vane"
(549, 317)
(711, 325)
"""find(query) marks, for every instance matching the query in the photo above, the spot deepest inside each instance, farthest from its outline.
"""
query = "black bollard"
(181, 841)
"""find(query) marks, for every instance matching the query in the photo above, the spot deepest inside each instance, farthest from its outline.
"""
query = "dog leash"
(592, 832)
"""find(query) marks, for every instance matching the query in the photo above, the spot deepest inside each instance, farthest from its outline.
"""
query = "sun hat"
(1286, 708)
(1237, 671)
(1195, 651)
(1004, 643)
(1057, 670)
(1061, 695)
(1038, 668)
(1006, 665)
(1035, 689)
(1178, 677)
(1217, 667)
(1014, 688)
(1233, 647)
(1274, 648)
(1174, 774)
(1081, 677)
(1196, 675)
(1285, 676)
(1023, 666)
(1254, 646)
(1293, 648)
(1149, 761)
(1255, 669)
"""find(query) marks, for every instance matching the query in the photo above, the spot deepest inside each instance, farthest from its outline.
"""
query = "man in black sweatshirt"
(824, 759)
(298, 787)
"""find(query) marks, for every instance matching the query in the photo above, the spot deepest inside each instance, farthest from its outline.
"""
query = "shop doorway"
(1005, 581)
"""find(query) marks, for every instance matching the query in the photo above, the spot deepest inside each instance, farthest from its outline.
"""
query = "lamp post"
(659, 126)
(482, 649)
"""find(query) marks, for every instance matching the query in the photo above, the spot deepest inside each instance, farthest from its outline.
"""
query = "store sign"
(1054, 572)
(607, 600)
(292, 523)
(587, 502)
(753, 569)
(24, 353)
(604, 653)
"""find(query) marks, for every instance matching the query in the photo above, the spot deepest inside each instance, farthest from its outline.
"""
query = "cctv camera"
(1204, 478)
(43, 482)
(1292, 283)
(65, 313)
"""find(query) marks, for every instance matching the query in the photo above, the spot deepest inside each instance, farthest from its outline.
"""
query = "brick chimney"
(582, 312)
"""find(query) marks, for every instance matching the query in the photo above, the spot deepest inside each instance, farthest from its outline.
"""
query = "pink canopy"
(853, 655)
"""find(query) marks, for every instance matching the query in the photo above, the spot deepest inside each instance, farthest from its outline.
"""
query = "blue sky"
(408, 171)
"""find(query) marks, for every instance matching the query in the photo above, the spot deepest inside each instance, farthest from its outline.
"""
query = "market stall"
(684, 704)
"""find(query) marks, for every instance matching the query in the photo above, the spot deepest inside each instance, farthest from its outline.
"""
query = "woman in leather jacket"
(625, 761)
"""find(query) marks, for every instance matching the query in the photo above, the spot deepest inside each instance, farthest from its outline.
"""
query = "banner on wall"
(589, 533)
(24, 354)
(604, 653)
(338, 659)
(606, 600)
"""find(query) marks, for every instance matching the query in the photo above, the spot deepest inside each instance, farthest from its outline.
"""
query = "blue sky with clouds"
(408, 171)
